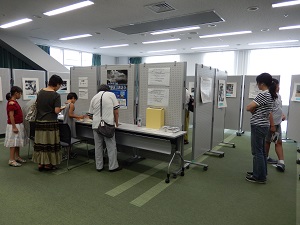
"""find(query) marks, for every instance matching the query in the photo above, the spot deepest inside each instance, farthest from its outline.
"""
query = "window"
(86, 59)
(220, 60)
(57, 54)
(72, 58)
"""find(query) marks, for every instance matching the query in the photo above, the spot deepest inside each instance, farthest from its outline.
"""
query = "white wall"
(108, 60)
(122, 60)
(191, 60)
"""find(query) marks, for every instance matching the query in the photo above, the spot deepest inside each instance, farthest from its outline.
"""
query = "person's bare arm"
(12, 120)
(116, 116)
(71, 112)
(251, 107)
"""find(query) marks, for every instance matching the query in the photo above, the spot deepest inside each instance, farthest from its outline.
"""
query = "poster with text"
(159, 76)
(231, 90)
(83, 94)
(296, 93)
(206, 89)
(1, 90)
(65, 87)
(117, 80)
(83, 82)
(158, 97)
(30, 88)
(253, 90)
(221, 94)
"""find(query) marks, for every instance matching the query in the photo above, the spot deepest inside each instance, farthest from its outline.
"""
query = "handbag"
(31, 115)
(105, 129)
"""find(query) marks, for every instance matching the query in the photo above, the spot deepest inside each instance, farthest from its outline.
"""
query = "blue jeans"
(258, 135)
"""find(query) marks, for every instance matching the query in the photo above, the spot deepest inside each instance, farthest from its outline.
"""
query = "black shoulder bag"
(191, 104)
(104, 128)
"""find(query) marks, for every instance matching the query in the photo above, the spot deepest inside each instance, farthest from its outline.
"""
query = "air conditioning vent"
(160, 7)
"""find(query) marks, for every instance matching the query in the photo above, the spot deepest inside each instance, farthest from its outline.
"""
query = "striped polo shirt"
(264, 102)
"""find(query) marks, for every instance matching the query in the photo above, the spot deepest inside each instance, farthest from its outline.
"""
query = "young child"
(69, 115)
(15, 135)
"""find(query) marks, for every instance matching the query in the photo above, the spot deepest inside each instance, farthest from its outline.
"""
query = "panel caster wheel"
(233, 146)
(205, 168)
(221, 155)
(167, 180)
(188, 167)
(174, 176)
(238, 134)
(182, 173)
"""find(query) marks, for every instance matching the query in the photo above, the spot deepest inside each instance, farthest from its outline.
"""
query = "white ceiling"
(97, 20)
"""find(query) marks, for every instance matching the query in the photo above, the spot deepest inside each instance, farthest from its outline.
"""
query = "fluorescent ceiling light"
(75, 37)
(225, 34)
(273, 42)
(15, 23)
(160, 41)
(175, 30)
(68, 8)
(217, 46)
(115, 46)
(283, 4)
(289, 27)
(168, 50)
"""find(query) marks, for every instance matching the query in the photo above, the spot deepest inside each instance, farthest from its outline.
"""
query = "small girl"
(14, 136)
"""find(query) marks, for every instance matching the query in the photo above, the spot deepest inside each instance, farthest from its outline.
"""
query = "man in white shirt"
(110, 114)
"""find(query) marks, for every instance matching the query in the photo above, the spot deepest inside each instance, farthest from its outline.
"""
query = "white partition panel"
(247, 115)
(22, 78)
(219, 113)
(66, 78)
(126, 114)
(174, 111)
(4, 89)
(203, 114)
(234, 104)
(293, 127)
(84, 82)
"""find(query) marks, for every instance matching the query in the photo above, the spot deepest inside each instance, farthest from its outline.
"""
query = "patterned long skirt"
(47, 149)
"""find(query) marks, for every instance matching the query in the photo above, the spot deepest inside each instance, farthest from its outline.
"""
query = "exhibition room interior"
(243, 38)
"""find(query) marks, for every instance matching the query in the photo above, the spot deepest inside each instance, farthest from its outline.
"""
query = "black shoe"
(117, 169)
(298, 150)
(253, 180)
(99, 170)
(298, 161)
(249, 173)
(280, 167)
(186, 142)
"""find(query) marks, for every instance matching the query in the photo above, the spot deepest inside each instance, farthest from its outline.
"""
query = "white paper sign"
(206, 89)
(158, 97)
(253, 90)
(30, 88)
(83, 82)
(296, 93)
(83, 94)
(231, 90)
(221, 94)
(1, 90)
(159, 76)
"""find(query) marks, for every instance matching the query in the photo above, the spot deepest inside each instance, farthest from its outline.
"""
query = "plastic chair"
(67, 142)
(31, 135)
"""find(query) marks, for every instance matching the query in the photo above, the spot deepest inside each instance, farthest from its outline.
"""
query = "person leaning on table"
(110, 114)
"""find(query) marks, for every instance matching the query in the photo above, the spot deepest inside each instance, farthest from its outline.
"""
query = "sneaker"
(298, 150)
(249, 173)
(115, 170)
(280, 167)
(20, 160)
(14, 163)
(253, 180)
(271, 161)
(298, 161)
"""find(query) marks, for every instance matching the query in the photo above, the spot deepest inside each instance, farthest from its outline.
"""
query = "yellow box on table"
(155, 117)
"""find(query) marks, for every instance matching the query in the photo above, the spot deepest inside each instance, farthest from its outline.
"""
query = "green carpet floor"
(138, 194)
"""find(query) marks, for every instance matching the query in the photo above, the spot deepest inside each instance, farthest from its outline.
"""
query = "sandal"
(14, 163)
(41, 167)
(20, 160)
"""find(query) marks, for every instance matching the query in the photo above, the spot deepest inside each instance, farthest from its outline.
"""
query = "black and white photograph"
(231, 90)
(30, 88)
(65, 87)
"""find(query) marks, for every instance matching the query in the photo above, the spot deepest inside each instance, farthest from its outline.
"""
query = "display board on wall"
(163, 85)
(4, 88)
(293, 125)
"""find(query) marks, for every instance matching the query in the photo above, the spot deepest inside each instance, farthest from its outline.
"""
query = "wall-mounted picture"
(221, 94)
(231, 90)
(253, 90)
(65, 87)
(30, 88)
(117, 80)
(296, 93)
(1, 90)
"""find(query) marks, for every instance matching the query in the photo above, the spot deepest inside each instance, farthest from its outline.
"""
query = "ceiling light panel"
(167, 50)
(290, 27)
(175, 30)
(171, 23)
(161, 41)
(283, 4)
(75, 37)
(68, 8)
(15, 23)
(273, 42)
(225, 34)
(206, 47)
(115, 46)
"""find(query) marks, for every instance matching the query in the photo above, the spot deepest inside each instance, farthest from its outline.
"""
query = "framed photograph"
(30, 88)
(221, 94)
(296, 93)
(65, 87)
(231, 90)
